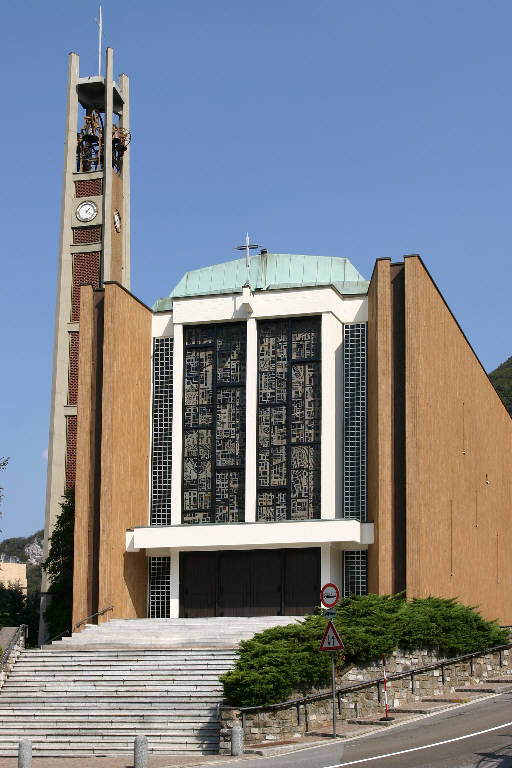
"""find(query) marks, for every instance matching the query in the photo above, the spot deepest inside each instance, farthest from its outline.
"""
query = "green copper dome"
(267, 272)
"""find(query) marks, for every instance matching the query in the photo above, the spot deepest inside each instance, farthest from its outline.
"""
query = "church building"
(273, 423)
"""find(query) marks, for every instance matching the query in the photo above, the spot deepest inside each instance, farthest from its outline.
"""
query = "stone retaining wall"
(294, 721)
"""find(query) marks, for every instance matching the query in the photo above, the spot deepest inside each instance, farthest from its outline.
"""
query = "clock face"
(117, 221)
(86, 211)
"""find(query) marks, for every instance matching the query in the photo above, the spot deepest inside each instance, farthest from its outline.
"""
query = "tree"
(12, 605)
(3, 464)
(59, 568)
(17, 608)
(502, 381)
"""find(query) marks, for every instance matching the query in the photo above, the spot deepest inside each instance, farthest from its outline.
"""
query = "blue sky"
(360, 129)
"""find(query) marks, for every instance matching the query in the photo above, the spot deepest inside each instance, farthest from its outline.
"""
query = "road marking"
(426, 746)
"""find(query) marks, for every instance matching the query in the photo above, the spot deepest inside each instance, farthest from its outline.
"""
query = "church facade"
(275, 423)
(274, 426)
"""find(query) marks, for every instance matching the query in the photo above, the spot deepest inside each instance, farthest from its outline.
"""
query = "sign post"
(332, 642)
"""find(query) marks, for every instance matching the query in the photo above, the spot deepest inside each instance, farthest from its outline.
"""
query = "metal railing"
(75, 626)
(378, 682)
(22, 630)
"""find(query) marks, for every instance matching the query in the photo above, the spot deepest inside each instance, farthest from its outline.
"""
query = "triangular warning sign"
(331, 640)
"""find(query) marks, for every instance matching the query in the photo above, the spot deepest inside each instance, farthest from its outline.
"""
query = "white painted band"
(426, 746)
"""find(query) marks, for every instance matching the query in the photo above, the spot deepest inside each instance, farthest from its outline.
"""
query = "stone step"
(118, 729)
(139, 679)
(135, 653)
(120, 704)
(121, 748)
(448, 699)
(144, 687)
(107, 739)
(124, 663)
(105, 716)
(123, 741)
(416, 710)
(483, 689)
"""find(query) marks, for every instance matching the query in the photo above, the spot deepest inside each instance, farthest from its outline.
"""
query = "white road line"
(426, 746)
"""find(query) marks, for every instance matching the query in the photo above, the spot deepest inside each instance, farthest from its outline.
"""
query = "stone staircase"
(219, 632)
(91, 694)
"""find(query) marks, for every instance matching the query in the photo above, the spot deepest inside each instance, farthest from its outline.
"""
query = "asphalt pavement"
(476, 735)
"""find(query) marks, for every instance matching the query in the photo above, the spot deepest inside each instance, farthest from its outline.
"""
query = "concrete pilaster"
(174, 608)
(124, 122)
(332, 339)
(107, 177)
(177, 425)
(57, 437)
(251, 415)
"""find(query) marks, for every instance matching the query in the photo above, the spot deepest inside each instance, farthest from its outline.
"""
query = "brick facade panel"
(73, 369)
(88, 187)
(86, 235)
(86, 271)
(71, 431)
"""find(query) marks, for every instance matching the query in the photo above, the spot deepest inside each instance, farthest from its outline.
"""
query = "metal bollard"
(140, 752)
(25, 754)
(237, 741)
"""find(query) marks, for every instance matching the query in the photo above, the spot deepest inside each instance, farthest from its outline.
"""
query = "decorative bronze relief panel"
(214, 423)
(289, 419)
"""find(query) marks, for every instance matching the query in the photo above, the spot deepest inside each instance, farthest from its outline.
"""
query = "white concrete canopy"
(289, 533)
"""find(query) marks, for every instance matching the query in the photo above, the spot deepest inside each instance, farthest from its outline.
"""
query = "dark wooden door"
(301, 580)
(235, 584)
(265, 582)
(198, 584)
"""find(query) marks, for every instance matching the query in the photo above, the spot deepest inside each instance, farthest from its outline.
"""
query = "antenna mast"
(99, 22)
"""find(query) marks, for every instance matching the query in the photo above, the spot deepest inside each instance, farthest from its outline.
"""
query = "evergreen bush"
(282, 660)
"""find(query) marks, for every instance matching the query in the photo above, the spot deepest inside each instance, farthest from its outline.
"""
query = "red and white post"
(386, 717)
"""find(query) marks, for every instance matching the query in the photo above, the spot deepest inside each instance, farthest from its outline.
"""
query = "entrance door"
(235, 583)
(198, 584)
(267, 594)
(258, 582)
(302, 580)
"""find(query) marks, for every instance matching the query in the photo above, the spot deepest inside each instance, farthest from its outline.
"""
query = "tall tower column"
(93, 248)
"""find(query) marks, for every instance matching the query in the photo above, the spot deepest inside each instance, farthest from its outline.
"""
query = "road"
(477, 735)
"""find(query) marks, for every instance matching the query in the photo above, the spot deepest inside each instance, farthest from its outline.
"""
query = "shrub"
(277, 662)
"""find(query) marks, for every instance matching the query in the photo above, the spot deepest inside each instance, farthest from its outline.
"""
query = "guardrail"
(21, 631)
(75, 626)
(378, 682)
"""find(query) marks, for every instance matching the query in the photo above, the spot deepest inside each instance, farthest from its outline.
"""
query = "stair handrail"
(22, 630)
(75, 626)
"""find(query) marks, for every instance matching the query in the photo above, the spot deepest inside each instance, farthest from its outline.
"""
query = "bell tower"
(94, 247)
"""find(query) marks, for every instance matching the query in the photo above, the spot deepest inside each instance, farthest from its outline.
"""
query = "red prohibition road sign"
(329, 595)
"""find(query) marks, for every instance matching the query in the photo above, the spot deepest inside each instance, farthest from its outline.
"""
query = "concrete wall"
(124, 450)
(459, 460)
(116, 263)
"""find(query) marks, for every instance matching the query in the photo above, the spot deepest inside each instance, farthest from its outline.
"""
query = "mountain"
(23, 550)
(502, 381)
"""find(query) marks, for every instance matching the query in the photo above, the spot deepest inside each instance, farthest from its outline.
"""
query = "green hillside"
(502, 380)
(24, 548)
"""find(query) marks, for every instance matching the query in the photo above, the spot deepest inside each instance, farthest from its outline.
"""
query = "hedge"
(282, 660)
